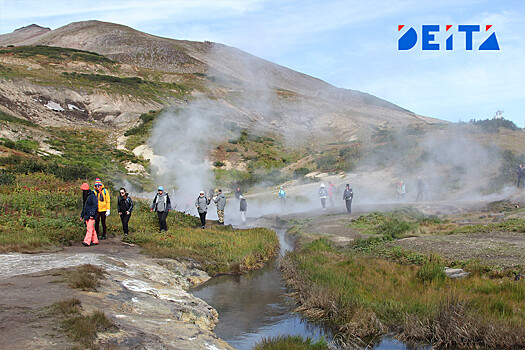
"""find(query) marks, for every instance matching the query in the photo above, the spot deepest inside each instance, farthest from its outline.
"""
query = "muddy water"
(255, 306)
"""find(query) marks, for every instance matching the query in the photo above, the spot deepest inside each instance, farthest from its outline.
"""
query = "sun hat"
(84, 186)
(201, 192)
(160, 188)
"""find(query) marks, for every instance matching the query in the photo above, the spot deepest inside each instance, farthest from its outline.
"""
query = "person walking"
(220, 201)
(88, 214)
(331, 193)
(420, 189)
(348, 195)
(124, 207)
(401, 190)
(282, 196)
(103, 211)
(521, 173)
(238, 193)
(323, 194)
(162, 205)
(201, 203)
(243, 207)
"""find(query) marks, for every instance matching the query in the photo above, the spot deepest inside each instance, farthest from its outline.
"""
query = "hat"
(98, 182)
(220, 191)
(347, 185)
(84, 186)
(201, 192)
(322, 185)
(160, 188)
(241, 197)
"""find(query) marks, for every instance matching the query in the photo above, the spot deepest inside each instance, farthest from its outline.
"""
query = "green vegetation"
(11, 119)
(139, 135)
(290, 343)
(217, 249)
(365, 296)
(494, 125)
(372, 286)
(55, 53)
(39, 211)
(81, 328)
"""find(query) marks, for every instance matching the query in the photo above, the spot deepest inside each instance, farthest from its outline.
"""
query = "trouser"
(331, 200)
(283, 201)
(91, 234)
(348, 203)
(101, 216)
(419, 196)
(220, 214)
(162, 219)
(203, 218)
(243, 217)
(125, 219)
(323, 202)
(520, 179)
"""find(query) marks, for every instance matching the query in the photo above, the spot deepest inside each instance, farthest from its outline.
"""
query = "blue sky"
(349, 44)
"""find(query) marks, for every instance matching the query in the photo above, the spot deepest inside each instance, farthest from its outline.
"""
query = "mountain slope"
(254, 91)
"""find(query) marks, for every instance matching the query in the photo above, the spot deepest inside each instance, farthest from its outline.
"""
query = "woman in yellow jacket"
(103, 207)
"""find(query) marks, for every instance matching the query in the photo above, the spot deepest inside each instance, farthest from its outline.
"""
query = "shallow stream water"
(255, 306)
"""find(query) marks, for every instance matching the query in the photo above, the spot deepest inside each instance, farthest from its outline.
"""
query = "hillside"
(216, 70)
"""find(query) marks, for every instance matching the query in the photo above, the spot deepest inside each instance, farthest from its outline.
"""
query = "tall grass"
(366, 296)
(290, 343)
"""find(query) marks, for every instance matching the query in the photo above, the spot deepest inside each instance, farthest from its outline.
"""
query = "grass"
(289, 342)
(11, 119)
(218, 250)
(85, 277)
(81, 328)
(366, 295)
(55, 53)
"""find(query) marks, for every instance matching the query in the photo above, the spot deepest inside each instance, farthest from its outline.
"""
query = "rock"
(456, 273)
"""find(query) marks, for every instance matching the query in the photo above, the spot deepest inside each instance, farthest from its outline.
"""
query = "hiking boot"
(94, 243)
(103, 237)
(85, 244)
(203, 227)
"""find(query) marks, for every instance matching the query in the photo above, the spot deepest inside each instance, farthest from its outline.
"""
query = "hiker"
(401, 190)
(521, 173)
(162, 205)
(103, 207)
(323, 194)
(201, 203)
(89, 213)
(348, 195)
(124, 207)
(238, 193)
(243, 207)
(331, 193)
(282, 196)
(420, 189)
(85, 194)
(220, 201)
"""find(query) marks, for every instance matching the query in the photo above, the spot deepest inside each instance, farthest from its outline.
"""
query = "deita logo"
(428, 41)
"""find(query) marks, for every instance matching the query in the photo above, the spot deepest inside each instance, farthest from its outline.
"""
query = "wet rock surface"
(146, 298)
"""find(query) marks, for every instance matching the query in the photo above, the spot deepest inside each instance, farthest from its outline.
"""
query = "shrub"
(6, 178)
(218, 164)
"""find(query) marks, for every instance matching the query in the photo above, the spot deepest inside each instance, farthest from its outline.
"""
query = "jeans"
(162, 220)
(125, 219)
(203, 218)
(101, 216)
(348, 203)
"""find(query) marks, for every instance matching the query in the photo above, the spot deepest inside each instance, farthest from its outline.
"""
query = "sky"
(349, 44)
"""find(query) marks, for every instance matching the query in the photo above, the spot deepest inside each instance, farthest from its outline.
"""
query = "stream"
(255, 306)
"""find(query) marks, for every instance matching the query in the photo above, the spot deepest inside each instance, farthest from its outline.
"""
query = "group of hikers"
(329, 193)
(422, 190)
(96, 207)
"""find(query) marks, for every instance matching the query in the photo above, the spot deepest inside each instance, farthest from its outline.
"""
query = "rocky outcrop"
(146, 298)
